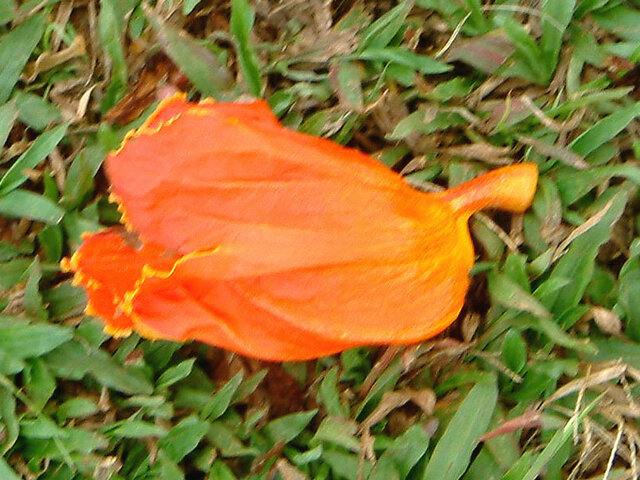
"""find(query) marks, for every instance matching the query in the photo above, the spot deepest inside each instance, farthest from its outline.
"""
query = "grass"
(539, 378)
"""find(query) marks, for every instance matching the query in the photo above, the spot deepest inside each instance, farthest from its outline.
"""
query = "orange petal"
(305, 313)
(217, 170)
(508, 188)
(108, 268)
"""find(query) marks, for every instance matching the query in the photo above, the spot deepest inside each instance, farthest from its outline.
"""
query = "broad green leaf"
(453, 451)
(346, 465)
(38, 151)
(380, 33)
(133, 428)
(8, 115)
(555, 17)
(9, 420)
(220, 471)
(175, 373)
(604, 130)
(225, 439)
(620, 20)
(421, 63)
(6, 472)
(111, 25)
(199, 64)
(616, 349)
(26, 341)
(16, 47)
(77, 408)
(529, 58)
(183, 438)
(514, 351)
(32, 301)
(39, 382)
(578, 262)
(248, 386)
(508, 293)
(337, 431)
(7, 11)
(404, 453)
(26, 204)
(574, 185)
(51, 241)
(65, 300)
(112, 375)
(629, 298)
(222, 398)
(13, 271)
(287, 428)
(477, 20)
(330, 396)
(80, 176)
(189, 5)
(240, 24)
(35, 111)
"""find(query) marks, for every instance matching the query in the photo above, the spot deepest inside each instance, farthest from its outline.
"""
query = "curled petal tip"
(509, 188)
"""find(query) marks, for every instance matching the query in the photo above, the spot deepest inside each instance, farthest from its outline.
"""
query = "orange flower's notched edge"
(149, 272)
(124, 216)
(68, 265)
(145, 128)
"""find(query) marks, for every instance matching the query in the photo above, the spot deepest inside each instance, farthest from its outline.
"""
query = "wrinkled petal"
(210, 176)
(300, 314)
(108, 268)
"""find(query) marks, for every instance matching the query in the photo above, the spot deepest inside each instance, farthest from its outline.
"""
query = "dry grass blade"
(288, 471)
(566, 156)
(606, 320)
(48, 60)
(531, 419)
(425, 399)
(481, 151)
(585, 227)
(587, 381)
(495, 228)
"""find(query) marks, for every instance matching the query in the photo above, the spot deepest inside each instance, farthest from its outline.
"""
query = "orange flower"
(276, 244)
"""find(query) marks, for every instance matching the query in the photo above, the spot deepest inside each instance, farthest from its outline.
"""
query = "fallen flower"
(276, 244)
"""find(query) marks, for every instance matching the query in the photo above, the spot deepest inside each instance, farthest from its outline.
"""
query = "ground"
(538, 378)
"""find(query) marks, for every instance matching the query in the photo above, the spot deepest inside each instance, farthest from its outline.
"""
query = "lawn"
(540, 375)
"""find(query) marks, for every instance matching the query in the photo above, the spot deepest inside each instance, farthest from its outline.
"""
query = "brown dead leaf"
(425, 399)
(485, 52)
(565, 155)
(288, 471)
(143, 92)
(587, 381)
(531, 419)
(606, 320)
(506, 112)
(47, 60)
(481, 151)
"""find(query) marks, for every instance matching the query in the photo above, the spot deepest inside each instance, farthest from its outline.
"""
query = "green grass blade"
(199, 64)
(26, 204)
(382, 31)
(556, 16)
(604, 130)
(37, 152)
(8, 115)
(110, 28)
(453, 451)
(241, 23)
(15, 49)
